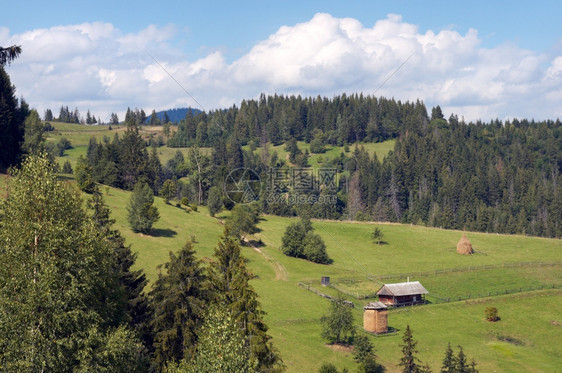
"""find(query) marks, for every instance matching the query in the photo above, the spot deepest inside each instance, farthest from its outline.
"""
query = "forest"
(502, 177)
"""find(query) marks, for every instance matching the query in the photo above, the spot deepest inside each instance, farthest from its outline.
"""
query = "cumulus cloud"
(95, 66)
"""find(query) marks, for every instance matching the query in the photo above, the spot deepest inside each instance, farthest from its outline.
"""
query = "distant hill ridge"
(175, 115)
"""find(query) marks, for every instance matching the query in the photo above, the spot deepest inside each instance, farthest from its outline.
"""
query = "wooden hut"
(402, 294)
(375, 318)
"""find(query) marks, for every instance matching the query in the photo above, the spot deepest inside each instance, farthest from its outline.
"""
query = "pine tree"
(449, 361)
(132, 281)
(409, 361)
(364, 354)
(9, 54)
(461, 365)
(141, 212)
(67, 168)
(154, 170)
(133, 162)
(178, 301)
(11, 121)
(229, 280)
(214, 202)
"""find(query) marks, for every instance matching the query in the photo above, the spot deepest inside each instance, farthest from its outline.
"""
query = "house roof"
(402, 288)
(375, 306)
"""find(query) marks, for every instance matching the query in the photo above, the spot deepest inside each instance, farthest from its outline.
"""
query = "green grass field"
(525, 340)
(79, 136)
(293, 313)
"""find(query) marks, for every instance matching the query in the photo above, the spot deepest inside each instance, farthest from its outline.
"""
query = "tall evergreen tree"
(449, 362)
(178, 301)
(409, 361)
(133, 160)
(11, 120)
(229, 279)
(133, 282)
(141, 212)
(214, 202)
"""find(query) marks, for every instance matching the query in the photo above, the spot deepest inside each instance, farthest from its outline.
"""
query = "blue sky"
(220, 52)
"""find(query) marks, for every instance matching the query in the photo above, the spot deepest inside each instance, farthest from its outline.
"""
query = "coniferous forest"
(502, 177)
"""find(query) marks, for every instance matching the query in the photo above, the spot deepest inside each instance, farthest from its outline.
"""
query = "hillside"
(293, 313)
(174, 115)
(524, 340)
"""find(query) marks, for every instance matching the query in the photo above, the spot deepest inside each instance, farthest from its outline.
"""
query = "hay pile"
(464, 246)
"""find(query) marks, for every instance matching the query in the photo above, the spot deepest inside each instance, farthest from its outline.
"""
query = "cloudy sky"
(473, 58)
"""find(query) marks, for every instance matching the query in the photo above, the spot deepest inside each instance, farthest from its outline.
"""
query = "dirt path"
(280, 271)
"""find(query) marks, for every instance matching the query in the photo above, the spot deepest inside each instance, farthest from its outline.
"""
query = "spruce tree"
(11, 122)
(364, 354)
(229, 279)
(133, 282)
(178, 302)
(461, 365)
(141, 212)
(448, 361)
(409, 361)
(214, 202)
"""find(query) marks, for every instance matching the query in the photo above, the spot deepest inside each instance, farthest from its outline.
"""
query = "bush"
(194, 207)
(328, 368)
(492, 314)
(316, 146)
(184, 201)
(67, 168)
(315, 249)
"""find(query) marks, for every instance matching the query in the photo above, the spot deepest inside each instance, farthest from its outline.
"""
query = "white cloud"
(95, 64)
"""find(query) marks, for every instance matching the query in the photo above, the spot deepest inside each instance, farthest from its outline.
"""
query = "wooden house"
(375, 318)
(402, 294)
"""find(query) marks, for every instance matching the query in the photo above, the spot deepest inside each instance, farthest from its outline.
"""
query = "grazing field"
(293, 313)
(526, 339)
(79, 136)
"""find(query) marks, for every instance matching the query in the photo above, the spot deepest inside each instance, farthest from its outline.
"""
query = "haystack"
(464, 246)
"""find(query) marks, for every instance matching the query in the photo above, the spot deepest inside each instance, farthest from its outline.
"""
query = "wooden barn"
(402, 294)
(375, 318)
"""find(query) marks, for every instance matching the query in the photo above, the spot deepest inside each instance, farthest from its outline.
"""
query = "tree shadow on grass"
(158, 232)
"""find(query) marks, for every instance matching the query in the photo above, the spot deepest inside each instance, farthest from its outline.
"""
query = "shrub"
(492, 314)
(315, 249)
(184, 201)
(67, 168)
(328, 368)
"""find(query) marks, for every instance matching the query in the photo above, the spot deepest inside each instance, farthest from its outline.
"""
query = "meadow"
(526, 339)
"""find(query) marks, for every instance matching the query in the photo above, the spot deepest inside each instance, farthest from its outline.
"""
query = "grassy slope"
(293, 313)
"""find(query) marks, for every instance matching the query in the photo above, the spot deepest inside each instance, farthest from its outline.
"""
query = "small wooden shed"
(402, 294)
(375, 318)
